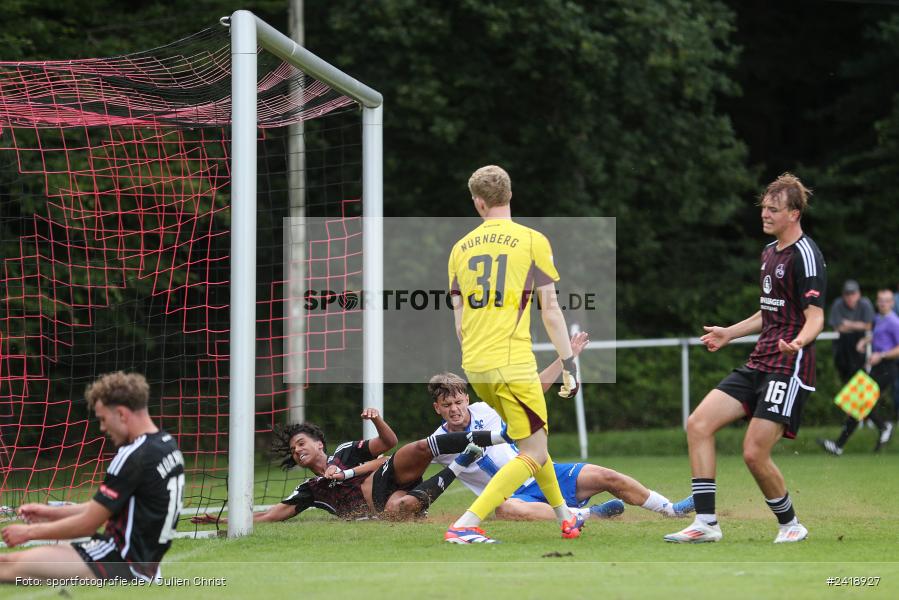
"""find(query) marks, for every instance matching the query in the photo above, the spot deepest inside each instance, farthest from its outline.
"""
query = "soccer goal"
(144, 203)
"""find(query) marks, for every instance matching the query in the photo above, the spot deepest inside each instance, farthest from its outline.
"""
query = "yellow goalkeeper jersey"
(496, 269)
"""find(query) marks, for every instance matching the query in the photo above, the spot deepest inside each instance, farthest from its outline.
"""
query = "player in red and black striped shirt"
(356, 481)
(771, 389)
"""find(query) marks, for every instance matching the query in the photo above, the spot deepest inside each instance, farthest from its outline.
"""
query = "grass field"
(848, 504)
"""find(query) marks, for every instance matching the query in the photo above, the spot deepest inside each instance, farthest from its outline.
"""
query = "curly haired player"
(355, 481)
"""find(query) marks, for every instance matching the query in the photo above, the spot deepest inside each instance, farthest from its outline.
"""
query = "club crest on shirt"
(779, 271)
(766, 284)
(479, 423)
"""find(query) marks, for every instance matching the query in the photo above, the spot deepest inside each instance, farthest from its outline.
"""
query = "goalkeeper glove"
(569, 378)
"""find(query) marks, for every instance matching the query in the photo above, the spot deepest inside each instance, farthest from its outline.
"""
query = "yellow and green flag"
(858, 396)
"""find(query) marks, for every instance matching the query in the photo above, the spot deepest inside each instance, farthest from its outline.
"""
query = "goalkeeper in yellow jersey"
(494, 272)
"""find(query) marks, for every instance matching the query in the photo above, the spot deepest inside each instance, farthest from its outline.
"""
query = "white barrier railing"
(684, 344)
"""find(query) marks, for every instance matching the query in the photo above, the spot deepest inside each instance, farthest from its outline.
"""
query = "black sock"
(704, 496)
(454, 443)
(428, 491)
(782, 509)
(848, 429)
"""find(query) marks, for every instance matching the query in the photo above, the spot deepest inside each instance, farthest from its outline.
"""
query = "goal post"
(248, 32)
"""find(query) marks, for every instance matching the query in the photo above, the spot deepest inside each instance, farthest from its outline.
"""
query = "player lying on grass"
(139, 500)
(356, 481)
(579, 481)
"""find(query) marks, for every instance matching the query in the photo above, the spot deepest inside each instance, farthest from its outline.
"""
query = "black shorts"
(770, 396)
(102, 557)
(383, 484)
(884, 373)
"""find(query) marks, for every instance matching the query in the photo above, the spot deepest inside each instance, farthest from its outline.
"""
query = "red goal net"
(114, 226)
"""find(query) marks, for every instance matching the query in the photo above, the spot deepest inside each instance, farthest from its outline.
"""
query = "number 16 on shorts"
(779, 396)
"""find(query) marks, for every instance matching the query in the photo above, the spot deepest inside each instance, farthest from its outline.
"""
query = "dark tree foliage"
(670, 115)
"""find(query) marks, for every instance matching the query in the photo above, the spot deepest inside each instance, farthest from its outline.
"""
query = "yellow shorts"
(516, 394)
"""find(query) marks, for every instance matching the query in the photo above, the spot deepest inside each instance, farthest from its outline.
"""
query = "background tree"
(669, 115)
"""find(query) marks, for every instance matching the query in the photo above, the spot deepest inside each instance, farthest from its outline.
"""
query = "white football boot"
(791, 533)
(697, 533)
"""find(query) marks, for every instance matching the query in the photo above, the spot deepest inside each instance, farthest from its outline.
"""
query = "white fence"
(684, 344)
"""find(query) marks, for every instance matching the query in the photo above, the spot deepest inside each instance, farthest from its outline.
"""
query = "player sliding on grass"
(355, 481)
(139, 500)
(771, 389)
(578, 481)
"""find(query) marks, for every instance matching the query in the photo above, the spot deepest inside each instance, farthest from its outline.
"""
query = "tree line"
(670, 115)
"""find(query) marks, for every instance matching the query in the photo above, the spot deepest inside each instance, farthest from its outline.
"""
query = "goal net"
(115, 225)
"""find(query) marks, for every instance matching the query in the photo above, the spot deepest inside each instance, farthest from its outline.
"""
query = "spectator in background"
(896, 382)
(885, 352)
(852, 316)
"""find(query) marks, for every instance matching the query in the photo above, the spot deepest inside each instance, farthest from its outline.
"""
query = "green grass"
(673, 442)
(271, 484)
(848, 504)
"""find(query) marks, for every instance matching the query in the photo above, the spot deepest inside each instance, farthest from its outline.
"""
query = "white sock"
(469, 519)
(707, 519)
(497, 438)
(583, 513)
(563, 513)
(456, 468)
(656, 502)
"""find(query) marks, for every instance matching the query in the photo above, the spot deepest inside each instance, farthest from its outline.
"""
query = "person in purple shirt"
(896, 382)
(884, 354)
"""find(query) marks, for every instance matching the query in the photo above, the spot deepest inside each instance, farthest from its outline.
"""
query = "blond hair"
(445, 385)
(492, 185)
(130, 390)
(795, 192)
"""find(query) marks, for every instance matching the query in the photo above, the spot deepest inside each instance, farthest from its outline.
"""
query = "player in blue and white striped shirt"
(579, 482)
